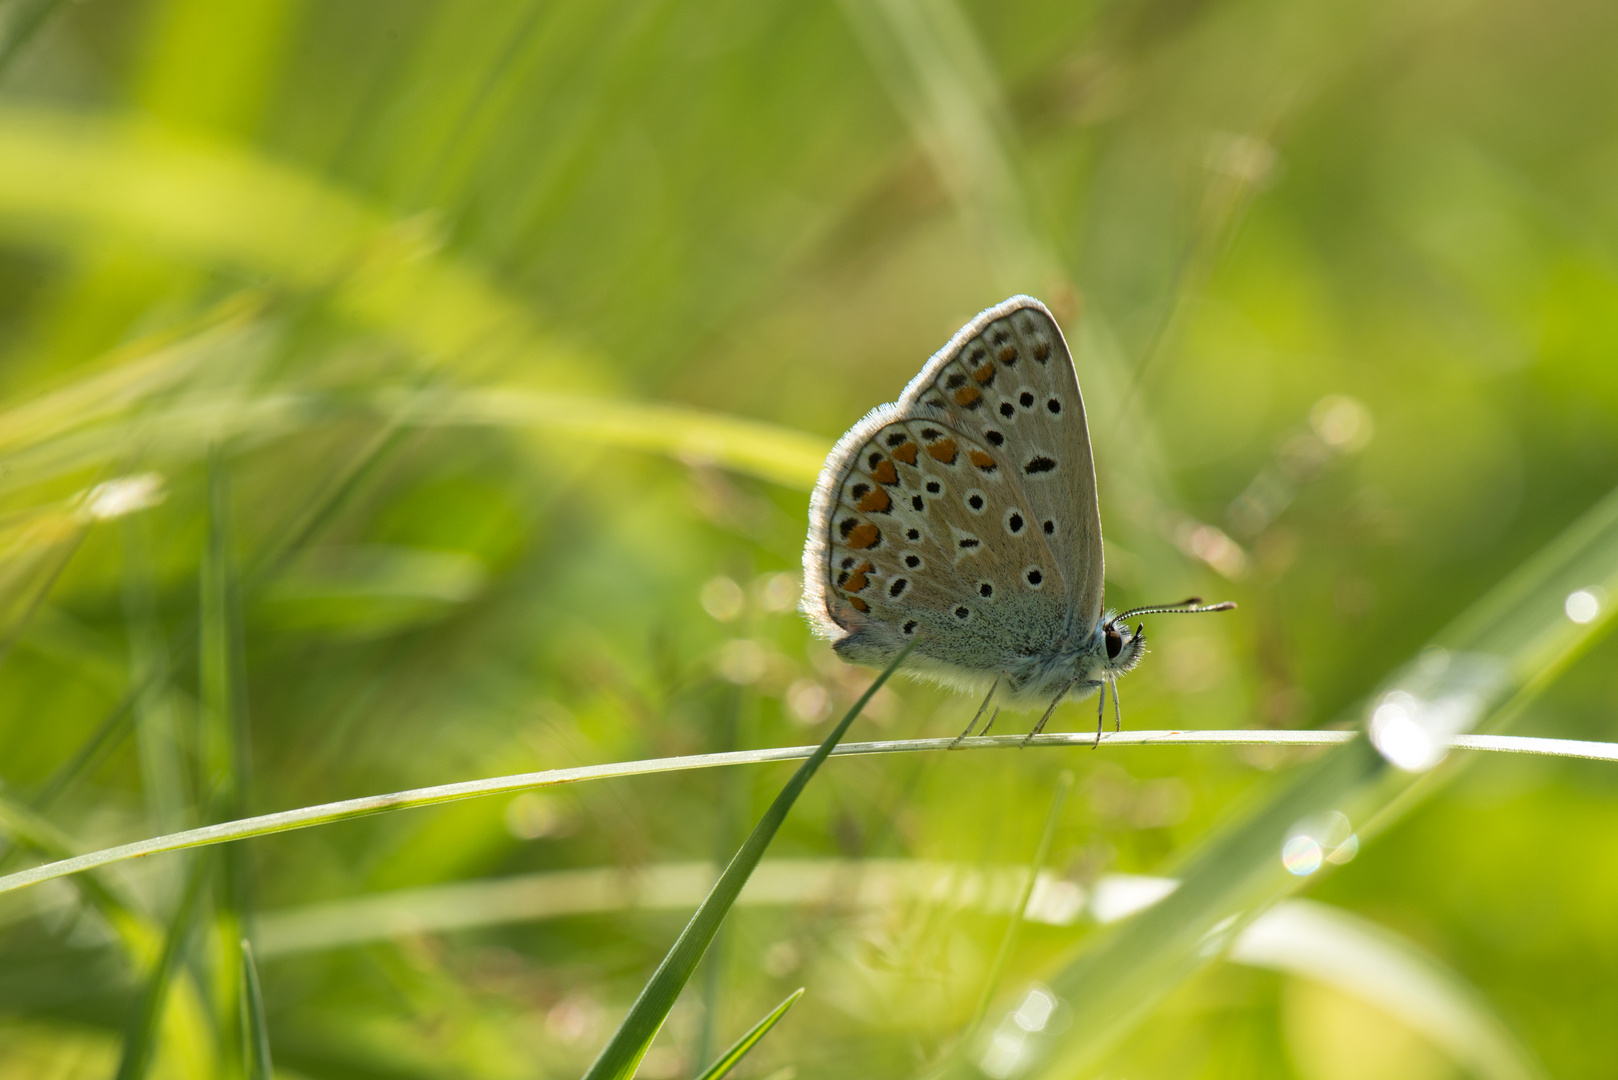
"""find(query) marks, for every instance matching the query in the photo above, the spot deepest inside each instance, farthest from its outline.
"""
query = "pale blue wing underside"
(964, 513)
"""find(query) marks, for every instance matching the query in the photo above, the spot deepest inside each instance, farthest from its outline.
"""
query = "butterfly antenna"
(987, 698)
(1192, 605)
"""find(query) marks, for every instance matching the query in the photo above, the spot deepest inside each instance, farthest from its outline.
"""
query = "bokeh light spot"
(742, 661)
(1400, 737)
(1301, 855)
(1582, 606)
(808, 701)
(722, 598)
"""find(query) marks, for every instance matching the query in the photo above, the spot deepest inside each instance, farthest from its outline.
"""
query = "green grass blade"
(629, 1043)
(1480, 674)
(1336, 947)
(225, 744)
(1064, 787)
(739, 1049)
(140, 1040)
(33, 553)
(256, 1042)
(768, 451)
(157, 735)
(727, 823)
(127, 377)
(219, 686)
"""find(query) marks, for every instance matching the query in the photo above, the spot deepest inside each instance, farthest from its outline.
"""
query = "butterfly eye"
(1115, 643)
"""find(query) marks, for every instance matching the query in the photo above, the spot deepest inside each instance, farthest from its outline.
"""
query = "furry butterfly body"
(964, 517)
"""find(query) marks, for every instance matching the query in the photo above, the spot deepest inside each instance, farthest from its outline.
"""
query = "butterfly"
(963, 518)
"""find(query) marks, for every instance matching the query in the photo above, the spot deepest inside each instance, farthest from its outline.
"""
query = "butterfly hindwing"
(965, 512)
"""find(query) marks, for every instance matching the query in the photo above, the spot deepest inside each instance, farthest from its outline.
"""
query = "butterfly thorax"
(1075, 665)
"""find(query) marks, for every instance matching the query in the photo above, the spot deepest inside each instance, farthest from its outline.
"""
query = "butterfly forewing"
(965, 512)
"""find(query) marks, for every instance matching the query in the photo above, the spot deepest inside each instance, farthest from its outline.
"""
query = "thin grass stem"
(348, 809)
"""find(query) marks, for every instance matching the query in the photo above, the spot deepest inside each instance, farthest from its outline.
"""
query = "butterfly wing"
(965, 512)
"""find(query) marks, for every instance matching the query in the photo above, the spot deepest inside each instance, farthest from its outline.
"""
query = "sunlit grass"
(391, 397)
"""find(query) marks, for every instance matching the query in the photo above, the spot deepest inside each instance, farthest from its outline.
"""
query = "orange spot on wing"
(856, 582)
(1008, 354)
(905, 453)
(1042, 349)
(984, 375)
(982, 460)
(885, 473)
(944, 450)
(858, 605)
(876, 501)
(967, 395)
(864, 536)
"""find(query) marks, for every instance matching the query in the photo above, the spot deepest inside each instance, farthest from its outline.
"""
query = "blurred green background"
(370, 418)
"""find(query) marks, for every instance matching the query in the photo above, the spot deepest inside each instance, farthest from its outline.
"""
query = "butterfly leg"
(1117, 714)
(1050, 709)
(1101, 711)
(987, 698)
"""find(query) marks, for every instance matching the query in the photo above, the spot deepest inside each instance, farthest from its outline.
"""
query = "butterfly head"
(1123, 647)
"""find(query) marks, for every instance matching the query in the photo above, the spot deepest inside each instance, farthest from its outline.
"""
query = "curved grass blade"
(256, 1041)
(305, 817)
(739, 1049)
(1480, 673)
(771, 452)
(217, 204)
(623, 1052)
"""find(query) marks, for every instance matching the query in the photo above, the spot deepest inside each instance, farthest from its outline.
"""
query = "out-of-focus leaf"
(219, 204)
(128, 377)
(23, 21)
(146, 1024)
(1064, 786)
(1333, 946)
(788, 457)
(370, 590)
(33, 551)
